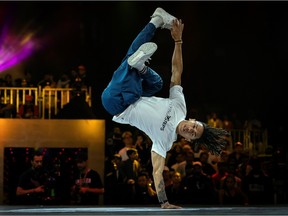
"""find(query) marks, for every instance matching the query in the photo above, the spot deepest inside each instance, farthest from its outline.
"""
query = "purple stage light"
(13, 50)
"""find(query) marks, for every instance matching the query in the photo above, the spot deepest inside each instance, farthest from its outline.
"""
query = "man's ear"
(191, 119)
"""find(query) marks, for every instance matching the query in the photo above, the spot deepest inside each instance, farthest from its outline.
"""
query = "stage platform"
(139, 210)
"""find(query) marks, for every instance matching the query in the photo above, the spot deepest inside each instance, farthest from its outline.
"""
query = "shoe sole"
(164, 14)
(145, 51)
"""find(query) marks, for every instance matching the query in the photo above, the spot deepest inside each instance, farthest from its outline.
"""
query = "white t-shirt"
(123, 153)
(157, 117)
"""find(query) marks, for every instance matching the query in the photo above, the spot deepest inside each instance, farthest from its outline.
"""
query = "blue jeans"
(127, 85)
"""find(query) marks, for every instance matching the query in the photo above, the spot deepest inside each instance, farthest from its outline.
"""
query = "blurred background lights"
(15, 48)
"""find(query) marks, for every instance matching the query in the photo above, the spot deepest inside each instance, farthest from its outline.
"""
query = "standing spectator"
(128, 141)
(87, 185)
(82, 73)
(64, 81)
(130, 169)
(64, 96)
(79, 81)
(28, 79)
(114, 141)
(143, 148)
(47, 80)
(114, 182)
(31, 186)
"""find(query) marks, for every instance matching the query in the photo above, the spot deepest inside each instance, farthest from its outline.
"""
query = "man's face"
(190, 129)
(142, 181)
(82, 165)
(238, 148)
(134, 156)
(128, 140)
(176, 177)
(37, 162)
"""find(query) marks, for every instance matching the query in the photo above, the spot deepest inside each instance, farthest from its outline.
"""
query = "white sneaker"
(166, 17)
(142, 55)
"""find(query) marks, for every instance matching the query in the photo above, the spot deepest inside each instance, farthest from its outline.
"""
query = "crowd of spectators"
(235, 178)
(76, 79)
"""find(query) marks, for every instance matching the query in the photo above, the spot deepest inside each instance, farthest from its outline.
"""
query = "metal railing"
(48, 100)
(254, 141)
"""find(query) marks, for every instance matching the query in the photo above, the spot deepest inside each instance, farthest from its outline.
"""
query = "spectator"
(28, 110)
(64, 81)
(237, 160)
(199, 187)
(222, 171)
(145, 194)
(87, 185)
(176, 191)
(31, 186)
(167, 177)
(230, 194)
(207, 168)
(128, 141)
(186, 164)
(114, 182)
(130, 169)
(257, 184)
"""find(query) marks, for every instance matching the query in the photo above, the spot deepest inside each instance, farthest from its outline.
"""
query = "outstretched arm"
(158, 163)
(177, 61)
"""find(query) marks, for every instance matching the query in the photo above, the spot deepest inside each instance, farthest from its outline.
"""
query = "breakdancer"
(129, 98)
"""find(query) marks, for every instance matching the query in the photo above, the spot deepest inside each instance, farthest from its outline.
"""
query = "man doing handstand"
(129, 98)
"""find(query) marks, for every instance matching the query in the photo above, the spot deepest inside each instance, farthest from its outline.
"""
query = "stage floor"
(194, 211)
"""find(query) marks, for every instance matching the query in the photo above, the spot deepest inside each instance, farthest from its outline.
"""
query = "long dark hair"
(213, 139)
